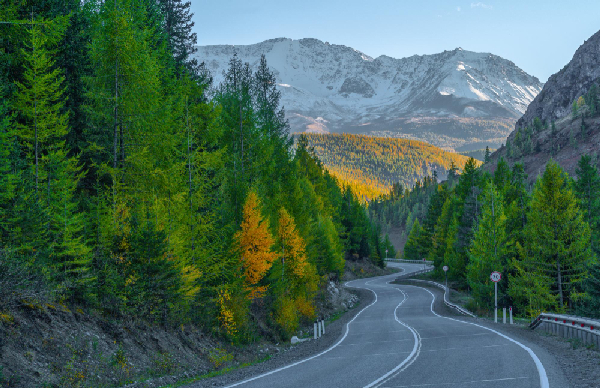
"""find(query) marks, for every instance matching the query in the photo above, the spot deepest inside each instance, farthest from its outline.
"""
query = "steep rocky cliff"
(575, 79)
(560, 134)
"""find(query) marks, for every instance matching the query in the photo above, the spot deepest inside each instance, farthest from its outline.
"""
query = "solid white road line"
(317, 355)
(462, 383)
(408, 360)
(544, 383)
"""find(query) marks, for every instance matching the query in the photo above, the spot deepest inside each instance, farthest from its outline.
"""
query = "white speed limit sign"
(445, 268)
(496, 276)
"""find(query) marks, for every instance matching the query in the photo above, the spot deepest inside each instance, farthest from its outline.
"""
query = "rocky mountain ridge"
(561, 133)
(573, 80)
(335, 88)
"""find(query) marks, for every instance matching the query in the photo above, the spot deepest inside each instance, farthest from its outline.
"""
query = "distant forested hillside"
(371, 165)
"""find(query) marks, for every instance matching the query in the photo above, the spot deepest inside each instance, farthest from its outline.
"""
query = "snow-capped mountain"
(335, 88)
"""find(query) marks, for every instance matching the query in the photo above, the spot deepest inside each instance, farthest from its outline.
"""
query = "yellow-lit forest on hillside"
(372, 164)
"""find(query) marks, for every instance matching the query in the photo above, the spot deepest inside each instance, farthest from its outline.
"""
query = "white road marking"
(544, 383)
(325, 351)
(411, 357)
(459, 383)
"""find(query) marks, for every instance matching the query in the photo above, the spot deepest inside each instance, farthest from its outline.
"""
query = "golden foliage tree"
(298, 277)
(254, 242)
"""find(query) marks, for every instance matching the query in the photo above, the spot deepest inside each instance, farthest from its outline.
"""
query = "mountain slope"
(560, 134)
(334, 88)
(573, 80)
(372, 164)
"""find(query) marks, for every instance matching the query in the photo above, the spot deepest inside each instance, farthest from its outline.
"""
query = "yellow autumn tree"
(296, 276)
(254, 242)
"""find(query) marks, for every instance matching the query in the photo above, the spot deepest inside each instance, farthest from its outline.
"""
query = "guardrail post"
(504, 315)
(316, 329)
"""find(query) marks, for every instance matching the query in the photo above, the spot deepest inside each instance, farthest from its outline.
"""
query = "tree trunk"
(116, 112)
(189, 149)
(559, 278)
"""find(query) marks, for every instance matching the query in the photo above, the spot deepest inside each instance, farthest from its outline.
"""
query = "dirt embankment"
(51, 346)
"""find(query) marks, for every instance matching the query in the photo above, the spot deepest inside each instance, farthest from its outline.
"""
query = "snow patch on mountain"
(345, 87)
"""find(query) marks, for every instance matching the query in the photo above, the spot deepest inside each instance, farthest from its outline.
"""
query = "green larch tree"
(556, 249)
(487, 250)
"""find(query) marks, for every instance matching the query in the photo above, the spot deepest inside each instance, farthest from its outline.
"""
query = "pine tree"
(487, 250)
(412, 249)
(556, 249)
(254, 243)
(9, 176)
(502, 176)
(42, 125)
(487, 154)
(177, 25)
(587, 187)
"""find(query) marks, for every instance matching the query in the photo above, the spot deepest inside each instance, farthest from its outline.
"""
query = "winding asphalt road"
(399, 341)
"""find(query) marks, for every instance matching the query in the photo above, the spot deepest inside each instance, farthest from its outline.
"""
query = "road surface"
(399, 341)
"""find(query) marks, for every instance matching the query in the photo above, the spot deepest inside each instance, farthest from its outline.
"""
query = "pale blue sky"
(539, 36)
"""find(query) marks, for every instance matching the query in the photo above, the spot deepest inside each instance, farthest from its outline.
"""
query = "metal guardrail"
(428, 262)
(568, 326)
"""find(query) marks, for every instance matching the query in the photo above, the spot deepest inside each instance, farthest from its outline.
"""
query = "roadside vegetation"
(544, 240)
(133, 189)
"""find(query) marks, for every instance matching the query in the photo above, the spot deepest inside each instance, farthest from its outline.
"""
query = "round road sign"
(445, 268)
(496, 276)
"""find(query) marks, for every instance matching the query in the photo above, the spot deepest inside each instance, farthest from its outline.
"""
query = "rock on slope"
(572, 136)
(335, 88)
(555, 99)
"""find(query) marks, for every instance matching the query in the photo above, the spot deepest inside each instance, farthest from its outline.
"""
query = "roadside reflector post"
(320, 329)
(504, 315)
(316, 330)
(323, 320)
(495, 302)
(510, 313)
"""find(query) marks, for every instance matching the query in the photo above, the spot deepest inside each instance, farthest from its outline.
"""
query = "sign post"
(445, 268)
(495, 277)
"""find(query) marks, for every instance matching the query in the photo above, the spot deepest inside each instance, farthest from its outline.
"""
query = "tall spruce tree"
(486, 253)
(587, 187)
(556, 249)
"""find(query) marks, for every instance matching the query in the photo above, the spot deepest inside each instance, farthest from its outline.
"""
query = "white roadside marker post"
(495, 277)
(445, 268)
(504, 315)
(320, 329)
(316, 329)
(323, 320)
(495, 302)
(510, 310)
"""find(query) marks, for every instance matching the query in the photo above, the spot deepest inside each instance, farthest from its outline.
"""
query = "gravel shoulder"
(288, 354)
(567, 363)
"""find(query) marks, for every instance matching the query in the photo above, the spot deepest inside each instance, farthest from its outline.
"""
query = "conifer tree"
(587, 187)
(411, 249)
(9, 176)
(487, 154)
(487, 250)
(556, 248)
(254, 243)
(177, 24)
(42, 125)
